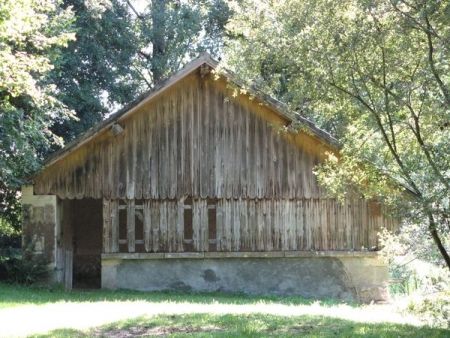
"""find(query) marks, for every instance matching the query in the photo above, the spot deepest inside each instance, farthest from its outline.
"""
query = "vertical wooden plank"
(267, 230)
(204, 223)
(196, 224)
(240, 144)
(291, 171)
(68, 269)
(218, 144)
(284, 214)
(259, 179)
(196, 144)
(236, 230)
(154, 153)
(187, 140)
(155, 224)
(227, 150)
(160, 145)
(131, 220)
(231, 154)
(106, 226)
(181, 111)
(114, 208)
(244, 230)
(146, 153)
(166, 182)
(228, 217)
(293, 225)
(139, 126)
(245, 162)
(163, 225)
(219, 223)
(173, 146)
(265, 159)
(356, 217)
(252, 224)
(172, 208)
(204, 139)
(147, 226)
(349, 225)
(130, 159)
(251, 162)
(307, 223)
(299, 224)
(180, 225)
(60, 265)
(339, 224)
(259, 226)
(325, 208)
(331, 225)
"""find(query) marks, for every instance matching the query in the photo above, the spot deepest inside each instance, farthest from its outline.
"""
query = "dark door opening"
(87, 220)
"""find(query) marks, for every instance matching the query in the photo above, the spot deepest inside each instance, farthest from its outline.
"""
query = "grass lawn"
(40, 312)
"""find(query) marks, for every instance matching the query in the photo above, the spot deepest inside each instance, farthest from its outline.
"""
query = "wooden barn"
(196, 187)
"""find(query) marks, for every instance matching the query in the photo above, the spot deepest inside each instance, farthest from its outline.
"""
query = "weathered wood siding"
(249, 182)
(250, 225)
(198, 140)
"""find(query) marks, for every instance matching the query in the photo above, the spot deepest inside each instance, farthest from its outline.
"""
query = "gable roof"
(202, 60)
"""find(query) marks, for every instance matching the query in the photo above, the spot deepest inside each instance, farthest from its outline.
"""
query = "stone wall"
(39, 220)
(342, 276)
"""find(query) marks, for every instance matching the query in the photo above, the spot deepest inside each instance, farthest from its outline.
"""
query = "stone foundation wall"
(342, 277)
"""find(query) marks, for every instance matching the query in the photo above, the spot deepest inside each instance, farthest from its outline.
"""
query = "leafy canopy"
(376, 74)
(32, 32)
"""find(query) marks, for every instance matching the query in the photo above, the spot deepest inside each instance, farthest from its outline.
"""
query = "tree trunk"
(158, 16)
(437, 239)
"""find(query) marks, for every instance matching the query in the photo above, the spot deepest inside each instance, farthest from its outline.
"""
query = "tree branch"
(437, 240)
(138, 15)
(438, 79)
(384, 134)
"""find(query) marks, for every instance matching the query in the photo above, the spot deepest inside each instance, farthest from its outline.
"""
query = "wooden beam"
(131, 226)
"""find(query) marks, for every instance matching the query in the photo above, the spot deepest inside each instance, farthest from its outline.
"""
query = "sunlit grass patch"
(53, 312)
(251, 325)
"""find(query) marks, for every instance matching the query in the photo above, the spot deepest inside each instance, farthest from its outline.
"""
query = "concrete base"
(344, 278)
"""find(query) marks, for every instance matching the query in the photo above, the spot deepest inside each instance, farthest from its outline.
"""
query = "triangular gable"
(203, 60)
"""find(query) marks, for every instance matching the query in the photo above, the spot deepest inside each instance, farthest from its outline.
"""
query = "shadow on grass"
(14, 295)
(251, 325)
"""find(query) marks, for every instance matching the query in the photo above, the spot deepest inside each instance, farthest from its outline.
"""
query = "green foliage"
(96, 71)
(121, 51)
(435, 311)
(31, 34)
(19, 268)
(425, 288)
(173, 32)
(375, 73)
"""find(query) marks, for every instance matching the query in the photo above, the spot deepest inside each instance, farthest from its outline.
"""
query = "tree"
(32, 33)
(378, 70)
(97, 71)
(122, 50)
(172, 32)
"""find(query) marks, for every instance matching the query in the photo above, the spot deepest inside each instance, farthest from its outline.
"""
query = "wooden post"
(147, 226)
(106, 226)
(131, 220)
(60, 261)
(114, 210)
(68, 271)
(180, 225)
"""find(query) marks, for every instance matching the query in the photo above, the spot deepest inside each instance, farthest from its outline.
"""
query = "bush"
(15, 267)
(435, 311)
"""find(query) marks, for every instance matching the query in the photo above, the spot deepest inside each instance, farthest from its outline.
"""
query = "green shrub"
(20, 269)
(435, 311)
